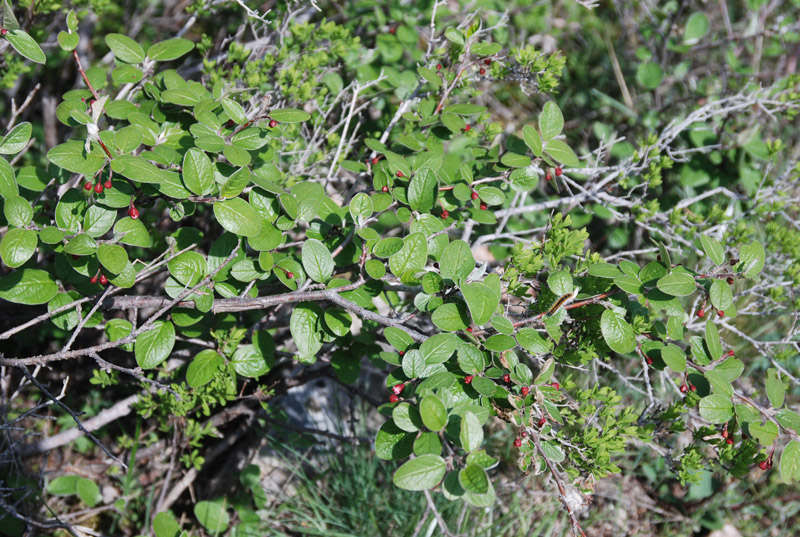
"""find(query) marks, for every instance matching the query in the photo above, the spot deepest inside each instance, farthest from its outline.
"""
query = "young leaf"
(551, 121)
(25, 45)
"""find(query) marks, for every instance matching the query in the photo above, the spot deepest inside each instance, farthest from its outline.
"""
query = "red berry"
(729, 440)
(721, 313)
(474, 195)
(506, 378)
(730, 280)
(684, 388)
(484, 206)
(399, 174)
(731, 353)
(392, 30)
(103, 279)
(469, 329)
(725, 433)
(98, 188)
(525, 391)
(290, 275)
(468, 379)
(3, 32)
(445, 214)
(94, 279)
(555, 385)
(375, 160)
(393, 398)
(87, 185)
(133, 212)
(482, 71)
(397, 389)
(701, 313)
(385, 188)
(438, 66)
(542, 421)
(523, 434)
(517, 442)
(467, 128)
(558, 172)
(272, 123)
(763, 465)
(402, 353)
(487, 61)
(693, 388)
(649, 360)
(108, 184)
(547, 176)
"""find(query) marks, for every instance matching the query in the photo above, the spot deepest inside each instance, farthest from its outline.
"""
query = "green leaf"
(716, 408)
(238, 217)
(68, 319)
(171, 49)
(113, 257)
(124, 48)
(721, 295)
(81, 244)
(482, 301)
(361, 208)
(397, 338)
(433, 413)
(392, 443)
(164, 525)
(532, 139)
(16, 139)
(65, 485)
(515, 160)
(713, 249)
(28, 286)
(473, 479)
(17, 246)
(305, 328)
(776, 389)
(457, 262)
(212, 515)
(234, 111)
(765, 432)
(471, 359)
(677, 284)
(87, 491)
(530, 340)
(289, 115)
(439, 348)
(674, 357)
(412, 256)
(500, 342)
(414, 365)
(604, 270)
(422, 190)
(551, 121)
(617, 333)
(790, 462)
(7, 18)
(696, 28)
(198, 172)
(789, 419)
(8, 181)
(203, 367)
(427, 444)
(72, 156)
(25, 45)
(406, 417)
(422, 473)
(649, 75)
(155, 345)
(563, 153)
(132, 232)
(317, 260)
(751, 258)
(188, 268)
(471, 434)
(68, 41)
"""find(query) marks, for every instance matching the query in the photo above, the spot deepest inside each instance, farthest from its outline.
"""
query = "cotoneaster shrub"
(341, 195)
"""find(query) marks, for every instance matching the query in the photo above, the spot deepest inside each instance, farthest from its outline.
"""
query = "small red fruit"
(487, 61)
(133, 212)
(87, 185)
(103, 279)
(506, 378)
(684, 388)
(393, 398)
(721, 313)
(3, 32)
(693, 388)
(290, 275)
(701, 313)
(94, 279)
(517, 442)
(523, 434)
(558, 172)
(399, 174)
(555, 385)
(484, 206)
(438, 66)
(542, 421)
(649, 361)
(445, 214)
(392, 30)
(108, 184)
(98, 188)
(467, 128)
(469, 329)
(729, 440)
(397, 389)
(525, 391)
(474, 195)
(385, 188)
(468, 379)
(729, 280)
(763, 465)
(731, 353)
(375, 160)
(272, 123)
(725, 433)
(548, 177)
(482, 71)
(402, 353)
